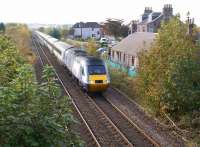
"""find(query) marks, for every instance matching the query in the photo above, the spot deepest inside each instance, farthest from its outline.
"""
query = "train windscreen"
(96, 70)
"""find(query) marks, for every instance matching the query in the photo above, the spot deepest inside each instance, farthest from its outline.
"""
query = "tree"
(32, 114)
(64, 31)
(35, 115)
(55, 33)
(41, 29)
(2, 28)
(115, 27)
(92, 47)
(71, 31)
(21, 35)
(10, 60)
(169, 72)
(112, 27)
(124, 30)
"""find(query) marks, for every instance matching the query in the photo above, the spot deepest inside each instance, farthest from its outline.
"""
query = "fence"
(130, 71)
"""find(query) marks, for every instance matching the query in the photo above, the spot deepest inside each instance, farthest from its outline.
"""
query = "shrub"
(35, 115)
(169, 72)
(31, 114)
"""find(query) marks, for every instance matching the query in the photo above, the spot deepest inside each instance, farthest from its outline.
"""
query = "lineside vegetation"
(32, 114)
(168, 80)
(20, 34)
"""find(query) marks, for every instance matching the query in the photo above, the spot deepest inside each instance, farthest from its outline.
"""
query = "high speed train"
(90, 72)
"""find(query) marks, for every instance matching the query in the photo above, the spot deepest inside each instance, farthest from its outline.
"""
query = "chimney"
(148, 10)
(167, 12)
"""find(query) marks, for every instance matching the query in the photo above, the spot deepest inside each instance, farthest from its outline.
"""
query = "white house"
(87, 30)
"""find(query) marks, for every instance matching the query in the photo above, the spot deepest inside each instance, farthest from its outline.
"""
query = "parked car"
(113, 43)
(103, 40)
(101, 50)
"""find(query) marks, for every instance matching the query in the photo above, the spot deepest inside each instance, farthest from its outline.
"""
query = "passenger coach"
(90, 72)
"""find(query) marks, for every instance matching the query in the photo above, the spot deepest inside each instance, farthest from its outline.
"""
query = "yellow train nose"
(97, 78)
(98, 83)
(97, 87)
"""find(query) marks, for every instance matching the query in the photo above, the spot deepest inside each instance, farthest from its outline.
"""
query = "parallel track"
(150, 128)
(93, 138)
(103, 130)
(130, 129)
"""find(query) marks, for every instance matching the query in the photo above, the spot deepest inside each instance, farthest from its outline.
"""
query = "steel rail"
(76, 108)
(134, 124)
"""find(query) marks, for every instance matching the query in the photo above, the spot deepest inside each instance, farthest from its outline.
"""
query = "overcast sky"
(71, 11)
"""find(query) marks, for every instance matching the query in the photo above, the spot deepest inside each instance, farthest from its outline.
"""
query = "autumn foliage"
(32, 114)
(169, 72)
(21, 35)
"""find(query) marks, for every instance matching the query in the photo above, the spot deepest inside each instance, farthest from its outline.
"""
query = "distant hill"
(35, 26)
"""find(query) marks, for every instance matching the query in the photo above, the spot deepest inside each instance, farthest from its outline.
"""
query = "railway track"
(91, 138)
(133, 133)
(136, 114)
(101, 129)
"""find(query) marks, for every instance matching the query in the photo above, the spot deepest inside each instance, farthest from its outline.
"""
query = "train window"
(82, 71)
(96, 69)
(57, 50)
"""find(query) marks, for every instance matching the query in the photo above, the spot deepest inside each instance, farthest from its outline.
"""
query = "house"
(150, 21)
(87, 30)
(126, 51)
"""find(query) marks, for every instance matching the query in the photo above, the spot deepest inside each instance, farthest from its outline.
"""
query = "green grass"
(123, 82)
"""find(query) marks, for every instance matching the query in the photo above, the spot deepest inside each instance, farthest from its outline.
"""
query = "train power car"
(90, 72)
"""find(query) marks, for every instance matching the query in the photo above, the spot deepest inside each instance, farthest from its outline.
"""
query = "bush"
(35, 115)
(31, 114)
(54, 32)
(20, 34)
(92, 47)
(10, 60)
(169, 72)
(123, 82)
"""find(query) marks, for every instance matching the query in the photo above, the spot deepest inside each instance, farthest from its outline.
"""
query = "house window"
(132, 60)
(93, 35)
(124, 58)
(118, 56)
(143, 29)
(113, 53)
(92, 29)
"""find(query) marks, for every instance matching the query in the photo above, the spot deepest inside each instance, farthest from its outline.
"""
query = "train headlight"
(91, 82)
(105, 81)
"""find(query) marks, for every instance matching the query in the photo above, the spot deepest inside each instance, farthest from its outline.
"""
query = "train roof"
(90, 60)
(51, 40)
(83, 56)
(63, 45)
(79, 52)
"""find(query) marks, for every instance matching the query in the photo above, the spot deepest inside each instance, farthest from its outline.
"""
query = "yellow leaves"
(161, 67)
(22, 37)
(91, 47)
